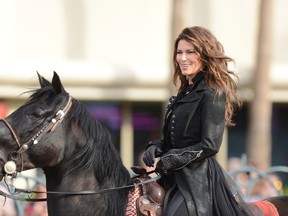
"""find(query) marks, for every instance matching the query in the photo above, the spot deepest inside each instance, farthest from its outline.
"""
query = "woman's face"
(188, 60)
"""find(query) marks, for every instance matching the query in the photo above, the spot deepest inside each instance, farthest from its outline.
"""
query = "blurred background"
(116, 57)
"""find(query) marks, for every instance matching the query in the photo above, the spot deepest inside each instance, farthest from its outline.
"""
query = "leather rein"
(10, 166)
(138, 182)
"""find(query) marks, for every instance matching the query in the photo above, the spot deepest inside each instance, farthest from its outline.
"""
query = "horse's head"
(32, 136)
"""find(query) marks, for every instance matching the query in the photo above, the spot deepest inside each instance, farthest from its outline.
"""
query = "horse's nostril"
(1, 170)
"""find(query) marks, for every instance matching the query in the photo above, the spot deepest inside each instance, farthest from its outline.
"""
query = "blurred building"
(115, 56)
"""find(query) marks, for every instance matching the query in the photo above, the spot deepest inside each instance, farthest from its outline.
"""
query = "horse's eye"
(38, 112)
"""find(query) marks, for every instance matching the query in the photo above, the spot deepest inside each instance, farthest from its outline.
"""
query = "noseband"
(10, 166)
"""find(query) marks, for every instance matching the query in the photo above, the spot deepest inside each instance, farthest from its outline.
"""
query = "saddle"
(151, 199)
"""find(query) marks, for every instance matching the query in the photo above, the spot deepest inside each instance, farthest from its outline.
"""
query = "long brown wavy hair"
(215, 64)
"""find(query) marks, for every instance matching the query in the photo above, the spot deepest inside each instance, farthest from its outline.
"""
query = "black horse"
(55, 132)
(76, 154)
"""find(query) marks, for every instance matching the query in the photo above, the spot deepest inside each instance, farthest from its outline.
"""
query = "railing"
(23, 208)
(251, 181)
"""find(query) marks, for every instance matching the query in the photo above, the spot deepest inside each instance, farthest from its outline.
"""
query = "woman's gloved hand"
(151, 153)
(161, 169)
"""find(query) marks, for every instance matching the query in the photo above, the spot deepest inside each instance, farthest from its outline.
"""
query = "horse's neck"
(73, 205)
(71, 182)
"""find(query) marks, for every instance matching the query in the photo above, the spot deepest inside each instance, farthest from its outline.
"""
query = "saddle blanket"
(267, 208)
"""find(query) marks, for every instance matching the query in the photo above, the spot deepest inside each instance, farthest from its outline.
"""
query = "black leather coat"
(195, 122)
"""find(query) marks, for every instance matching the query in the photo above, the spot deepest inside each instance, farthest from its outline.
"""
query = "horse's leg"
(176, 206)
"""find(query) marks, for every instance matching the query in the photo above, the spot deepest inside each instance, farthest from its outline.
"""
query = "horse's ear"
(43, 82)
(56, 84)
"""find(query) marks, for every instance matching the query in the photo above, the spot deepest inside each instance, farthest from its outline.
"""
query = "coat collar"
(196, 93)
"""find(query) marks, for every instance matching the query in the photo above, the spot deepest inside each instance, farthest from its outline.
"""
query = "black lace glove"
(176, 159)
(160, 168)
(153, 150)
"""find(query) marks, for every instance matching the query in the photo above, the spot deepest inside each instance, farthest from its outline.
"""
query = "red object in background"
(3, 109)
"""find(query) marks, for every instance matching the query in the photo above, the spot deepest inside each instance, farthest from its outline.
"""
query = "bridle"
(10, 167)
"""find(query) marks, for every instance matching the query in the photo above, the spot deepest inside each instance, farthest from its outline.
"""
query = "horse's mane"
(97, 153)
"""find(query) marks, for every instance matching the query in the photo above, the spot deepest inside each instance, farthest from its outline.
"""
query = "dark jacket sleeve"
(212, 128)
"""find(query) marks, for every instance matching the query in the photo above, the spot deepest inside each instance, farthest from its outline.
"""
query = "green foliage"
(285, 190)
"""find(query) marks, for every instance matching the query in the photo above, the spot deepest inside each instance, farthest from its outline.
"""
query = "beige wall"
(94, 44)
(90, 44)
